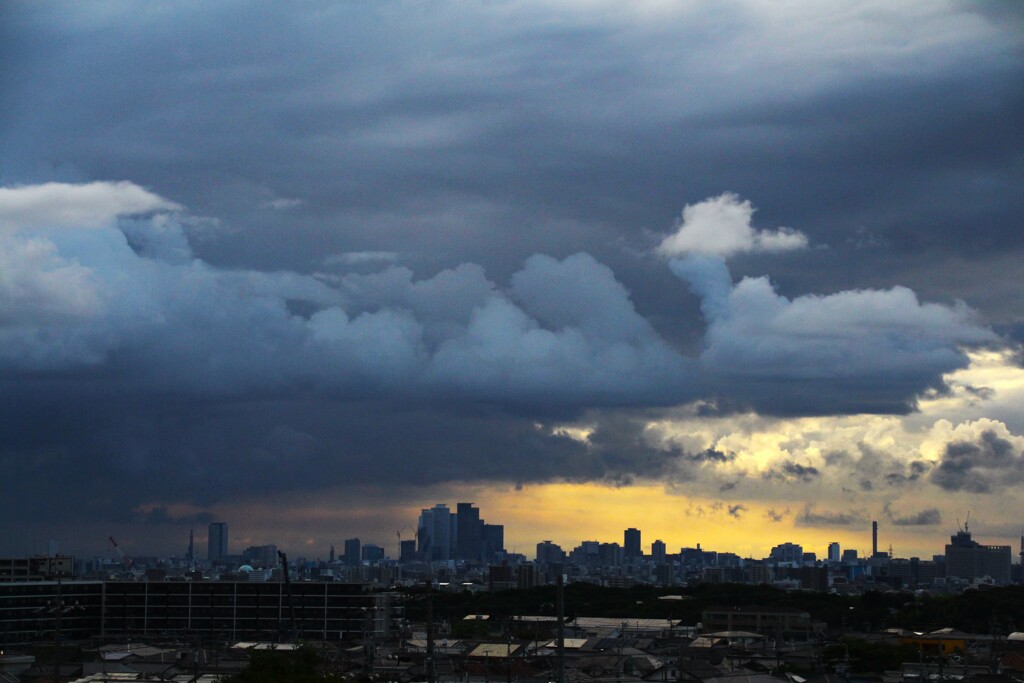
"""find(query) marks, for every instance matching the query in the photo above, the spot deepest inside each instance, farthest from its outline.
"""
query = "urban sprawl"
(456, 605)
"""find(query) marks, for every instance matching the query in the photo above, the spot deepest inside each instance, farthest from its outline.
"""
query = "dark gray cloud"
(876, 469)
(790, 471)
(926, 517)
(979, 465)
(813, 517)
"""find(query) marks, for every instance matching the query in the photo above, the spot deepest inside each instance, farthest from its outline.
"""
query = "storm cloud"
(982, 462)
(254, 248)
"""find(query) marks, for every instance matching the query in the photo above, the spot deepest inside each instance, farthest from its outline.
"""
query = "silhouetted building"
(353, 552)
(469, 532)
(493, 540)
(968, 559)
(217, 541)
(407, 551)
(215, 609)
(631, 543)
(435, 533)
(658, 552)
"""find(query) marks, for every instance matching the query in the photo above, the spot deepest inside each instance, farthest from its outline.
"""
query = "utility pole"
(288, 586)
(58, 607)
(560, 652)
(431, 674)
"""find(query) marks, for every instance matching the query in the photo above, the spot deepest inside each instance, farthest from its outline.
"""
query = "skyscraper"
(833, 552)
(469, 532)
(659, 552)
(435, 533)
(631, 544)
(493, 540)
(352, 552)
(217, 541)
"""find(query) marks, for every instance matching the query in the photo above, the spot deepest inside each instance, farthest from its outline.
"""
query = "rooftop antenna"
(967, 521)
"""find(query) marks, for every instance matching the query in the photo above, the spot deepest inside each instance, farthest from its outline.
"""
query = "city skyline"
(720, 272)
(649, 544)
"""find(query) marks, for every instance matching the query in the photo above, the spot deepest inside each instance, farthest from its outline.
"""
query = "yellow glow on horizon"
(570, 513)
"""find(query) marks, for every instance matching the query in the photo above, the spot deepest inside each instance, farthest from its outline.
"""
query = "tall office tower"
(332, 554)
(631, 544)
(435, 533)
(833, 552)
(874, 538)
(352, 552)
(408, 551)
(549, 553)
(373, 553)
(190, 556)
(493, 540)
(441, 543)
(658, 552)
(424, 527)
(469, 532)
(217, 541)
(968, 559)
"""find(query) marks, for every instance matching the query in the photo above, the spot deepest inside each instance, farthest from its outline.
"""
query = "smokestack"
(874, 538)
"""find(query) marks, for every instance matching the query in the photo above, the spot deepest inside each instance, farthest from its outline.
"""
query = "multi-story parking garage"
(216, 609)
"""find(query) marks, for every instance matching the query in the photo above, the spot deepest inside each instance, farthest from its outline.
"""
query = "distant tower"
(191, 555)
(353, 554)
(833, 552)
(631, 543)
(332, 554)
(217, 541)
(1022, 556)
(874, 538)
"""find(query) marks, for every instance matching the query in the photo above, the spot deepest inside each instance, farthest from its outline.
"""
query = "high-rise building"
(407, 551)
(469, 532)
(631, 543)
(833, 552)
(493, 540)
(435, 533)
(788, 553)
(549, 553)
(658, 552)
(353, 553)
(217, 541)
(968, 559)
(373, 553)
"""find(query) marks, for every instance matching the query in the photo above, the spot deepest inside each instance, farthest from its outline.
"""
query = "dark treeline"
(986, 611)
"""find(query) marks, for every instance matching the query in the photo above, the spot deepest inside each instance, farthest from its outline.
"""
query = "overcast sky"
(734, 273)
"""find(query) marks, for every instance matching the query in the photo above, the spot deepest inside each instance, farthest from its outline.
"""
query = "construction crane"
(127, 561)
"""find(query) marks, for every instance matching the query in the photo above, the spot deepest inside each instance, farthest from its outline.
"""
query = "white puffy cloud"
(64, 205)
(721, 226)
(131, 295)
(861, 351)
